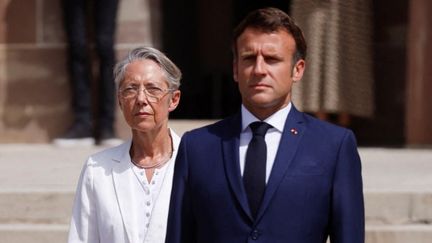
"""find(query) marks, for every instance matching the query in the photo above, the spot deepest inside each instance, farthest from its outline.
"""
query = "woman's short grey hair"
(171, 71)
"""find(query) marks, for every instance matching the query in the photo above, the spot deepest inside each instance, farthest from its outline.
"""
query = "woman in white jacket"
(123, 192)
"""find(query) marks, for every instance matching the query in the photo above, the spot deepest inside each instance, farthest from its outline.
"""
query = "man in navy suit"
(297, 180)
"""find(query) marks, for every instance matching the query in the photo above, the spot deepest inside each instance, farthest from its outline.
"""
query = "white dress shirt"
(272, 137)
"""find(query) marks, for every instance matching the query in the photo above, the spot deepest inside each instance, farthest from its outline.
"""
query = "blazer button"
(255, 235)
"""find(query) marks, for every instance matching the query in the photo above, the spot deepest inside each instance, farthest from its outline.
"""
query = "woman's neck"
(151, 143)
(150, 151)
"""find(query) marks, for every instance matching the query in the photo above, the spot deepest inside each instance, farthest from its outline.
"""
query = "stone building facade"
(34, 86)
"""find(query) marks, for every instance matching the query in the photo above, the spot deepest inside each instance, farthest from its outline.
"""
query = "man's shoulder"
(324, 127)
(326, 134)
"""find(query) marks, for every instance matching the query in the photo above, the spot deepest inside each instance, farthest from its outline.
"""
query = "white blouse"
(147, 194)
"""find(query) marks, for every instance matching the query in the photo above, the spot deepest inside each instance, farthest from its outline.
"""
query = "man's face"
(264, 70)
(141, 114)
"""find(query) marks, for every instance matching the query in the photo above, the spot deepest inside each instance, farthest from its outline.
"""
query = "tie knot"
(259, 128)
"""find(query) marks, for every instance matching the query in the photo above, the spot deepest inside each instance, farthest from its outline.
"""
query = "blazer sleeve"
(83, 227)
(347, 215)
(181, 225)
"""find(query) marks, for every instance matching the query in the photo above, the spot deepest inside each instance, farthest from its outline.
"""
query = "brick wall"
(34, 90)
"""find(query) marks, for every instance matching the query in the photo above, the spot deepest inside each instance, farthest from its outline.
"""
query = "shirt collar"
(277, 120)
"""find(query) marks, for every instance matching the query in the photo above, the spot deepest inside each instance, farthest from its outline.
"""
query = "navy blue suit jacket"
(314, 189)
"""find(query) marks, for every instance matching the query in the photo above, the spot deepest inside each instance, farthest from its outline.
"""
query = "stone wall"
(34, 86)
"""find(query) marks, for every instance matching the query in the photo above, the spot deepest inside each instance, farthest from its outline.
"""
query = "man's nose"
(260, 66)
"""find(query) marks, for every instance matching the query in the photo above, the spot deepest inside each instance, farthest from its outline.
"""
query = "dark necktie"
(255, 166)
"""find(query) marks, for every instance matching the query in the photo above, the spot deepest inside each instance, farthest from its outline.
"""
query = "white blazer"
(102, 209)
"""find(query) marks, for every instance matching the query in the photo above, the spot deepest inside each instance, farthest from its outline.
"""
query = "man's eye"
(249, 58)
(272, 60)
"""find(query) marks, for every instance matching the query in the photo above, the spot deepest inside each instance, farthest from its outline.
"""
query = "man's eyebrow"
(244, 53)
(273, 54)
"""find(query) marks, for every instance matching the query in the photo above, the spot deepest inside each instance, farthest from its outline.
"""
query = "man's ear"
(175, 100)
(235, 70)
(298, 70)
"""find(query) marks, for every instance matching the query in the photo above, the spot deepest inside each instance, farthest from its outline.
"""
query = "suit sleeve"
(347, 216)
(83, 227)
(181, 225)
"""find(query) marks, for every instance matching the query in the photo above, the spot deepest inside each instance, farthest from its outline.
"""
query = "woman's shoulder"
(109, 155)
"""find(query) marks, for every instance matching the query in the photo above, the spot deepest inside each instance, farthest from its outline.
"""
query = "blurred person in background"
(123, 192)
(87, 129)
(339, 84)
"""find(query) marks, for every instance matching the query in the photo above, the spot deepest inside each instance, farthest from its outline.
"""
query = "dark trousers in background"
(102, 13)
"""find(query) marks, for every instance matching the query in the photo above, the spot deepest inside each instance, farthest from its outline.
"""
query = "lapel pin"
(294, 131)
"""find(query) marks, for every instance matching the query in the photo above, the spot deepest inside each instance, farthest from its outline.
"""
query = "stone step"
(421, 233)
(57, 233)
(38, 183)
(33, 233)
(35, 207)
(49, 207)
(398, 207)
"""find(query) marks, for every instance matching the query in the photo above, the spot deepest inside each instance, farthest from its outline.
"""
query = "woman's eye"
(154, 90)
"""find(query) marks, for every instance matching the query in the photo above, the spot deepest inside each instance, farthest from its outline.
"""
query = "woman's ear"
(174, 101)
(119, 101)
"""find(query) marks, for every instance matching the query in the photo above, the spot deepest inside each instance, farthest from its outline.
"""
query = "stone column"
(418, 130)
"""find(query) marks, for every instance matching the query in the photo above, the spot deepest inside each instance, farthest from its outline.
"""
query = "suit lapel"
(124, 188)
(291, 137)
(230, 147)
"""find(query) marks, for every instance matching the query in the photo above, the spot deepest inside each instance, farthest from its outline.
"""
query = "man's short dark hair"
(270, 20)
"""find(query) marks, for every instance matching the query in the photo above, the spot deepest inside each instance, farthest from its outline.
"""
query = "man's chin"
(261, 100)
(264, 102)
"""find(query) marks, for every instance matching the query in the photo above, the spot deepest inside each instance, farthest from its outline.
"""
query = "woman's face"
(144, 112)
